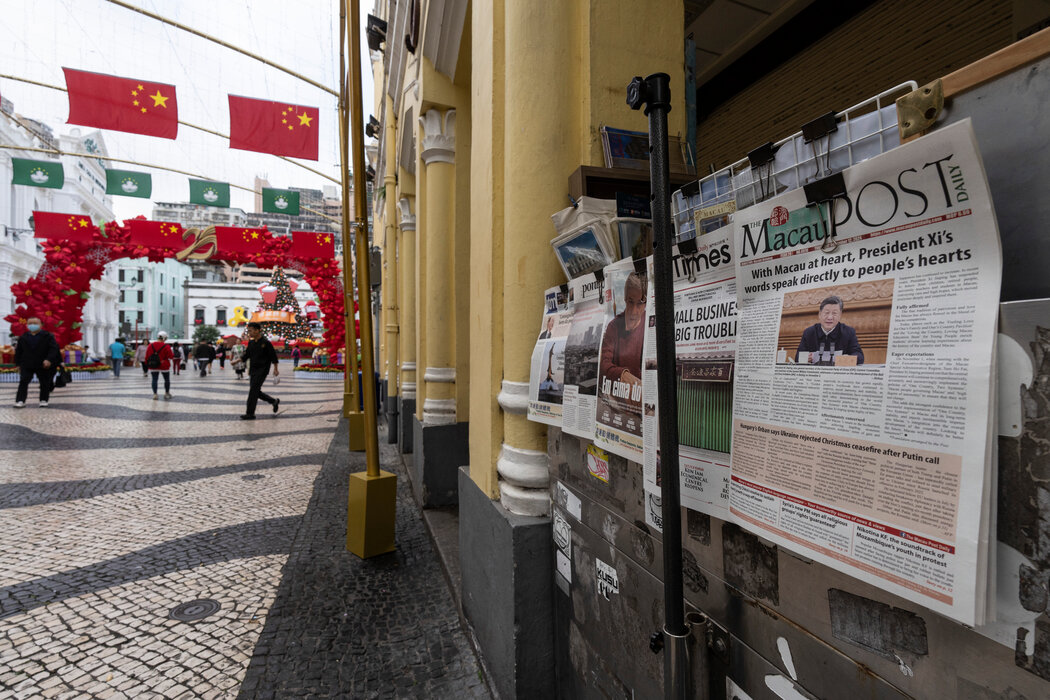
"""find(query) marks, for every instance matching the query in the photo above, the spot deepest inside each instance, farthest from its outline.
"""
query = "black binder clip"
(599, 276)
(762, 157)
(826, 190)
(641, 266)
(687, 246)
(564, 288)
(815, 130)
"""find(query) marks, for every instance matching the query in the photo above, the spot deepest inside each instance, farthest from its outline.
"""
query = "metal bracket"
(718, 642)
(918, 110)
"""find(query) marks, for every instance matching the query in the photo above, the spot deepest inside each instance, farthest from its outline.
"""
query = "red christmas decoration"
(59, 290)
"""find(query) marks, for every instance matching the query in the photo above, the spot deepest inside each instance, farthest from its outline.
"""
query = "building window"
(162, 279)
(139, 294)
(220, 317)
(160, 319)
(138, 317)
(141, 276)
(122, 292)
(198, 317)
(120, 315)
(120, 275)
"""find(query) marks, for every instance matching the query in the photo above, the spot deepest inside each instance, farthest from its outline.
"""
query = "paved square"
(115, 509)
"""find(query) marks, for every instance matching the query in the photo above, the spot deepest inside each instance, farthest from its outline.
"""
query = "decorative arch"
(60, 288)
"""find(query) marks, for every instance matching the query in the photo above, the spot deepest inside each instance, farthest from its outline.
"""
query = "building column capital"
(407, 220)
(439, 136)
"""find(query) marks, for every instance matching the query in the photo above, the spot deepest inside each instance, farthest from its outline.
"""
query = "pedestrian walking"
(176, 359)
(222, 354)
(36, 354)
(158, 362)
(260, 355)
(140, 358)
(116, 355)
(237, 360)
(296, 354)
(204, 353)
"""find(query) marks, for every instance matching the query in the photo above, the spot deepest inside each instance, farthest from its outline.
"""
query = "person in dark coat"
(36, 354)
(829, 337)
(260, 354)
(204, 354)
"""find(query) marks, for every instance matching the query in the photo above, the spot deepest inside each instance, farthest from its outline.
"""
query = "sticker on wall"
(562, 533)
(564, 566)
(568, 500)
(607, 579)
(598, 463)
(654, 511)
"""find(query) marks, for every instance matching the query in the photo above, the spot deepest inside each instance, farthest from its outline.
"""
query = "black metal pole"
(654, 91)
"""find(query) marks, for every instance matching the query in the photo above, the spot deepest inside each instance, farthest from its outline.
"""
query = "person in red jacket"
(158, 361)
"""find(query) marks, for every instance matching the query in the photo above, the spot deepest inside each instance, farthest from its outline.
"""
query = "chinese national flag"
(273, 127)
(156, 234)
(239, 240)
(122, 104)
(307, 245)
(69, 227)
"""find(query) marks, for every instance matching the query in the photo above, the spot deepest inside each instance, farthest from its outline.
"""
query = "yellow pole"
(373, 494)
(351, 405)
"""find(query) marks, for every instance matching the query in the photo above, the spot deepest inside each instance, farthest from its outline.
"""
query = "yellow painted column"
(390, 253)
(406, 260)
(539, 156)
(488, 89)
(439, 375)
(379, 239)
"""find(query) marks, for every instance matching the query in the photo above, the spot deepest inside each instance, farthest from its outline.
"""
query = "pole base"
(371, 513)
(356, 424)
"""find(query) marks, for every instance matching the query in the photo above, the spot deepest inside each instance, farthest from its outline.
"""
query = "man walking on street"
(158, 360)
(204, 353)
(260, 355)
(36, 354)
(116, 355)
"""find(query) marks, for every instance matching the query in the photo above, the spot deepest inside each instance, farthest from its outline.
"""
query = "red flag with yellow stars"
(307, 245)
(122, 104)
(68, 227)
(239, 240)
(273, 127)
(155, 234)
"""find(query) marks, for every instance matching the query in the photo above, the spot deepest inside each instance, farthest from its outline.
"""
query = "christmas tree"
(278, 296)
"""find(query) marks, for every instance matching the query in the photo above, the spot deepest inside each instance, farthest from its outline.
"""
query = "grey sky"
(39, 37)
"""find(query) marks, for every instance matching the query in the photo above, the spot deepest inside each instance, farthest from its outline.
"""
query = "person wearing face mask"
(36, 355)
(829, 336)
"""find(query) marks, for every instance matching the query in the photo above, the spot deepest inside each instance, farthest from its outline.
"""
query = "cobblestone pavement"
(115, 509)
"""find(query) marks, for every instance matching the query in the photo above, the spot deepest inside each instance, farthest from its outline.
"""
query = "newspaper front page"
(705, 322)
(618, 410)
(547, 372)
(581, 356)
(863, 386)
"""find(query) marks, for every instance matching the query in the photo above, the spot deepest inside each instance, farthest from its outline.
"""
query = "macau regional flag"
(280, 201)
(208, 193)
(37, 173)
(127, 183)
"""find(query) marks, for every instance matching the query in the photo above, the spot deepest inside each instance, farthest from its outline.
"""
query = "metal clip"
(599, 276)
(762, 157)
(815, 130)
(819, 192)
(687, 246)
